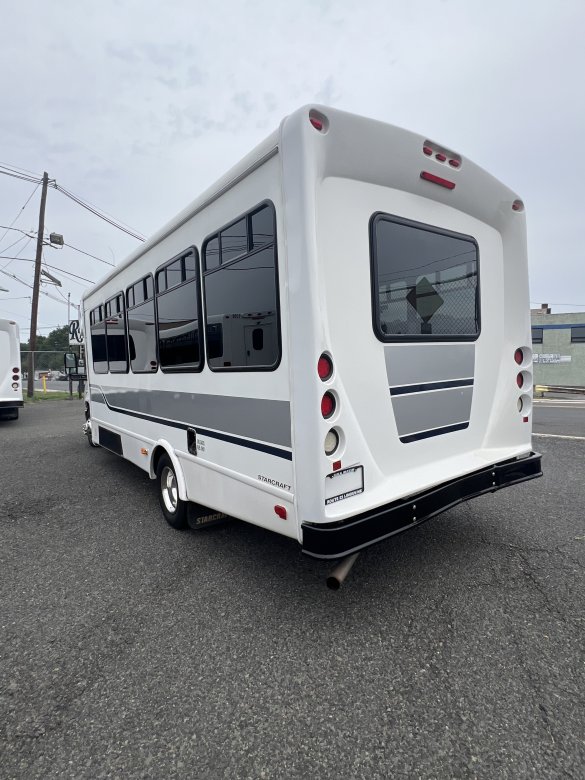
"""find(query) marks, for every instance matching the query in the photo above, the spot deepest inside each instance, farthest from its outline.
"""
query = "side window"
(98, 341)
(142, 328)
(537, 335)
(179, 337)
(116, 335)
(241, 295)
(578, 334)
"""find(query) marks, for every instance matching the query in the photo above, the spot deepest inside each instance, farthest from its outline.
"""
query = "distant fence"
(540, 390)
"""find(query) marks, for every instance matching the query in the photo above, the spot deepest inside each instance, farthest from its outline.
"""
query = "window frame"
(135, 306)
(247, 215)
(418, 338)
(197, 281)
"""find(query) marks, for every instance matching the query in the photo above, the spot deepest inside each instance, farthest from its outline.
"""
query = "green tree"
(50, 350)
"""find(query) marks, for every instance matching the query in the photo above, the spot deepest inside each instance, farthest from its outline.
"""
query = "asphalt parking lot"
(130, 650)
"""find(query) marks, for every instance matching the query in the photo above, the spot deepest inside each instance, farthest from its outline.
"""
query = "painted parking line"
(558, 436)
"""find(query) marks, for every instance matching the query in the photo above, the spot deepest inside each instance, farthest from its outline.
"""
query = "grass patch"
(57, 395)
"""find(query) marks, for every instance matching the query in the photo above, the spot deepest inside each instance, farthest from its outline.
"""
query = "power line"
(18, 176)
(19, 213)
(52, 267)
(97, 213)
(19, 169)
(89, 255)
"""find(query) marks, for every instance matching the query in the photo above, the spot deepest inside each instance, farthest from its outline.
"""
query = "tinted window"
(242, 297)
(142, 338)
(234, 242)
(425, 282)
(116, 337)
(174, 273)
(148, 288)
(212, 253)
(178, 328)
(98, 342)
(578, 334)
(262, 223)
(190, 266)
(537, 335)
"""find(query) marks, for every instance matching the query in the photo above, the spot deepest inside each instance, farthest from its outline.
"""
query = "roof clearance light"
(319, 121)
(441, 157)
(450, 185)
(427, 150)
(324, 367)
(454, 163)
(517, 206)
(519, 356)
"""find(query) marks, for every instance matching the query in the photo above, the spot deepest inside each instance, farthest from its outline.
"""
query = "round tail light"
(15, 377)
(519, 356)
(327, 405)
(15, 370)
(519, 380)
(324, 367)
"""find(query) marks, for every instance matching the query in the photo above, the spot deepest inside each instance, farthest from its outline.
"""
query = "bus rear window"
(424, 282)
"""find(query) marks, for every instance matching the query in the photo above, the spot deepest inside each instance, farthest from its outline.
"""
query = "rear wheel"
(173, 508)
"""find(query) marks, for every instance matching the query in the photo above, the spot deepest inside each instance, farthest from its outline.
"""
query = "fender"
(163, 444)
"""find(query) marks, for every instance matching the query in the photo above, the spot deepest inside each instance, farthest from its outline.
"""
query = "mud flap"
(200, 517)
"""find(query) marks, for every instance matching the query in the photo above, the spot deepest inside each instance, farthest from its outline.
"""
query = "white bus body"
(10, 371)
(333, 341)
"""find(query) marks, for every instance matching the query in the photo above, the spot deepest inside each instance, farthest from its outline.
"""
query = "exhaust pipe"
(337, 576)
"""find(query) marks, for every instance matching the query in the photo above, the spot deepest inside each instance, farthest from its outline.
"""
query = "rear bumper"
(334, 540)
(11, 404)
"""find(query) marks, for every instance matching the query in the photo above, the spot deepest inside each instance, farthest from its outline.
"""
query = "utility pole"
(35, 296)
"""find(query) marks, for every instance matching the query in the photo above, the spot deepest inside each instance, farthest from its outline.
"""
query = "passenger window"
(234, 242)
(241, 305)
(98, 342)
(179, 339)
(142, 333)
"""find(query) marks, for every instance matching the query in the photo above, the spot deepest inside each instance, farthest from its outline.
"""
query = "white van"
(332, 342)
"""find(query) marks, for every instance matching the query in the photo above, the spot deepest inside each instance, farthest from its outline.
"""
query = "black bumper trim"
(11, 404)
(335, 540)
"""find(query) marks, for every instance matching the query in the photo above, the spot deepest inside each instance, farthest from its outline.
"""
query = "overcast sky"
(138, 106)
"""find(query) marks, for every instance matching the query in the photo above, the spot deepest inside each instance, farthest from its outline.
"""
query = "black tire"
(173, 508)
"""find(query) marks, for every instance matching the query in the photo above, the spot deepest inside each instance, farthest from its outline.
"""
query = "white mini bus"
(332, 342)
(10, 373)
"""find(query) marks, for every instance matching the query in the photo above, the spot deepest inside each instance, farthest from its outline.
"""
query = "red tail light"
(519, 380)
(15, 377)
(324, 367)
(519, 356)
(327, 405)
(15, 370)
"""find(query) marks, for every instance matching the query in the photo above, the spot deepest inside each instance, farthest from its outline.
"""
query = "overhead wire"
(97, 212)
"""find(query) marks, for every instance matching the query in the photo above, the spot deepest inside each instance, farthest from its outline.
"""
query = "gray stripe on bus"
(252, 418)
(413, 364)
(433, 409)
